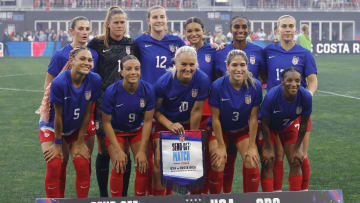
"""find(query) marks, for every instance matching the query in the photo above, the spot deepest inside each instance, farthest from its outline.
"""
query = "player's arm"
(55, 150)
(141, 158)
(253, 127)
(48, 79)
(312, 83)
(302, 131)
(195, 115)
(118, 156)
(220, 155)
(173, 127)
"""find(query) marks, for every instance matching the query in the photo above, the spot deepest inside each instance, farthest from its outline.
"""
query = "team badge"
(87, 95)
(172, 48)
(247, 99)
(261, 136)
(128, 50)
(252, 59)
(142, 103)
(182, 137)
(295, 60)
(194, 92)
(298, 110)
(207, 58)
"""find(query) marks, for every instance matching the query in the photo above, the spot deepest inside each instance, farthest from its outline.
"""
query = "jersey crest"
(142, 103)
(295, 60)
(128, 50)
(247, 99)
(252, 59)
(298, 110)
(87, 95)
(172, 48)
(207, 58)
(194, 92)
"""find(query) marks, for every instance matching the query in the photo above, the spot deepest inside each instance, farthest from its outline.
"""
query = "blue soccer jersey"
(234, 105)
(278, 59)
(61, 57)
(206, 60)
(280, 111)
(127, 110)
(74, 100)
(156, 56)
(254, 53)
(178, 99)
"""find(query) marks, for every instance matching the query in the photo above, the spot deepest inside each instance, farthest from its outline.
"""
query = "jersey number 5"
(76, 113)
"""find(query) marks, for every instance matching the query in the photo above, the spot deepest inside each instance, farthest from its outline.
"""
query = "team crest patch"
(172, 48)
(207, 58)
(298, 110)
(128, 50)
(295, 60)
(247, 99)
(194, 92)
(252, 59)
(142, 103)
(182, 137)
(87, 95)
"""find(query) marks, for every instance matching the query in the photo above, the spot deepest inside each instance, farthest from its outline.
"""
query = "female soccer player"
(285, 113)
(111, 47)
(80, 30)
(65, 120)
(128, 109)
(278, 57)
(235, 99)
(157, 48)
(180, 95)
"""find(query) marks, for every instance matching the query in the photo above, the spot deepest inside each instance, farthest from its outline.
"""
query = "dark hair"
(239, 17)
(149, 14)
(194, 20)
(291, 69)
(127, 58)
(76, 19)
(76, 50)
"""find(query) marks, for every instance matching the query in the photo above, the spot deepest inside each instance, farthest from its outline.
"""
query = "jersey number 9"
(132, 117)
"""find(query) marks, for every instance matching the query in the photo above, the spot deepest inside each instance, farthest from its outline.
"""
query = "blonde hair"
(248, 75)
(45, 102)
(113, 10)
(149, 15)
(305, 30)
(179, 52)
(283, 17)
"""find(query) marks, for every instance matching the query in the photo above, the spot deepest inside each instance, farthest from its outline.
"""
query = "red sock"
(295, 183)
(252, 179)
(306, 174)
(205, 188)
(278, 175)
(82, 183)
(52, 178)
(116, 183)
(168, 191)
(216, 179)
(150, 171)
(229, 173)
(158, 192)
(267, 184)
(63, 179)
(196, 191)
(141, 183)
(243, 177)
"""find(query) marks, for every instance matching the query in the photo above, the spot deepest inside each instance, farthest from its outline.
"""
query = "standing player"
(80, 30)
(240, 29)
(111, 46)
(157, 48)
(278, 57)
(304, 39)
(128, 109)
(180, 95)
(65, 120)
(285, 113)
(235, 99)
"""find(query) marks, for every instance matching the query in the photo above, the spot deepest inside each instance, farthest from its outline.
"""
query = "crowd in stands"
(317, 4)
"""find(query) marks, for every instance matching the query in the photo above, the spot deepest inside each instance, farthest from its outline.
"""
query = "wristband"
(58, 141)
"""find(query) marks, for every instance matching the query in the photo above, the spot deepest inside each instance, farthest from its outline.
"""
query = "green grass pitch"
(333, 151)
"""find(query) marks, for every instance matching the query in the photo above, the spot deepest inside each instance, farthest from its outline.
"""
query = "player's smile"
(194, 33)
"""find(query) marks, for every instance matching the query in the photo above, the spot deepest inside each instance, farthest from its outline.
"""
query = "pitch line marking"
(20, 90)
(15, 75)
(339, 95)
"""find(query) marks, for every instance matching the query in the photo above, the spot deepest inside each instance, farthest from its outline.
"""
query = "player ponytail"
(45, 102)
(113, 10)
(248, 75)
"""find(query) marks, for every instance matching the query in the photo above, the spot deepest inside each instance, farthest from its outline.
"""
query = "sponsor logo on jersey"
(106, 50)
(222, 99)
(142, 103)
(128, 50)
(298, 110)
(148, 45)
(172, 48)
(194, 92)
(295, 60)
(247, 99)
(88, 95)
(119, 105)
(207, 58)
(252, 59)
